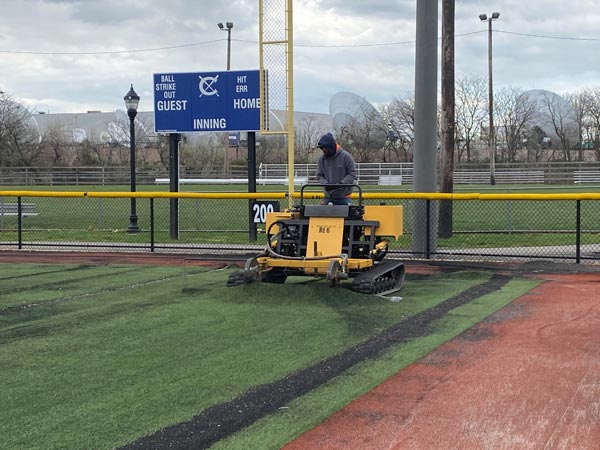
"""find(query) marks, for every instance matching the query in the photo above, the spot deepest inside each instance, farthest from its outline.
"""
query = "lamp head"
(229, 25)
(220, 25)
(495, 15)
(131, 101)
(483, 17)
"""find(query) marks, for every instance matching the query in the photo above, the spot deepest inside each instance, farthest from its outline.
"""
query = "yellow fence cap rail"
(307, 195)
(126, 194)
(198, 195)
(41, 194)
(574, 196)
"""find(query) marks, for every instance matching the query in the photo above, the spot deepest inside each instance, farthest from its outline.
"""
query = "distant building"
(113, 127)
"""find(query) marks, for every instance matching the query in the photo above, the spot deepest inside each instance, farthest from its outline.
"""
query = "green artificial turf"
(93, 357)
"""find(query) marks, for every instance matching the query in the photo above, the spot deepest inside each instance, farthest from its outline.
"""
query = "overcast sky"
(365, 47)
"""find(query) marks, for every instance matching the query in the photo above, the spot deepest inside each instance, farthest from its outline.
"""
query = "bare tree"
(57, 140)
(306, 135)
(533, 140)
(579, 102)
(592, 120)
(197, 157)
(364, 135)
(117, 148)
(162, 149)
(401, 121)
(561, 118)
(271, 149)
(471, 111)
(516, 112)
(19, 135)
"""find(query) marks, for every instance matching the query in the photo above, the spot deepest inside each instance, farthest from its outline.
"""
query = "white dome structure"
(553, 110)
(351, 111)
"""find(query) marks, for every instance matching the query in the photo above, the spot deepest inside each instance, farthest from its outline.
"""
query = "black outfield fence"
(481, 227)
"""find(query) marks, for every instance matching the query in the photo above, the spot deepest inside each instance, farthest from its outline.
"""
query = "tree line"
(528, 129)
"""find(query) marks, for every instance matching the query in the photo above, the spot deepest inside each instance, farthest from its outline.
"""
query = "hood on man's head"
(327, 142)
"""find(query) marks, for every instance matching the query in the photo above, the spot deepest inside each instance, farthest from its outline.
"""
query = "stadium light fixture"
(227, 27)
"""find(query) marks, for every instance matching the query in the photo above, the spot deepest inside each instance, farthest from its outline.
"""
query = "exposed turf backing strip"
(36, 287)
(225, 419)
(43, 272)
(18, 308)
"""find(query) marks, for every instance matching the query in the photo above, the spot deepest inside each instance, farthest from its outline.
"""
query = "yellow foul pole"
(276, 54)
(261, 63)
(290, 98)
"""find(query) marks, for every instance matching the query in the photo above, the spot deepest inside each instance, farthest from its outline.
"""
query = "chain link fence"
(485, 227)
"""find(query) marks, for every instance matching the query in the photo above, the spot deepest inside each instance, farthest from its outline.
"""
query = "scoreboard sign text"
(206, 101)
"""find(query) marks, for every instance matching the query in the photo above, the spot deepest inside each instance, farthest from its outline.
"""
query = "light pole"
(228, 26)
(1, 130)
(131, 103)
(492, 135)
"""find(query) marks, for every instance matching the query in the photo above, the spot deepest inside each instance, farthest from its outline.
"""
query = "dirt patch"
(532, 384)
(509, 312)
(440, 358)
(479, 332)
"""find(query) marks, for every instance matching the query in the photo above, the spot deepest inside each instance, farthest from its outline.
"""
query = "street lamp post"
(131, 103)
(492, 134)
(228, 26)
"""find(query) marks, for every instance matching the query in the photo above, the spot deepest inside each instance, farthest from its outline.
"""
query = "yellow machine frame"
(325, 237)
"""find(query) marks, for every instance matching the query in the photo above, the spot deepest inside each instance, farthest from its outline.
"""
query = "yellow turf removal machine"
(337, 242)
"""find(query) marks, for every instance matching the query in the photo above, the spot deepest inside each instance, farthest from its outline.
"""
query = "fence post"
(578, 233)
(152, 224)
(174, 139)
(19, 223)
(510, 217)
(251, 182)
(428, 234)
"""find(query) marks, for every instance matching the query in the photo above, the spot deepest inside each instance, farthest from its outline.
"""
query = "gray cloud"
(109, 12)
(373, 8)
(68, 83)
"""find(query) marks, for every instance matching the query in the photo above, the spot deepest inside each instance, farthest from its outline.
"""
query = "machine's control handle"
(330, 185)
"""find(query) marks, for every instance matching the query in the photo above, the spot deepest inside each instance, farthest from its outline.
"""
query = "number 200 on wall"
(260, 210)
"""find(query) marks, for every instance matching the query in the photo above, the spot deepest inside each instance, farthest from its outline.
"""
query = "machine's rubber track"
(384, 278)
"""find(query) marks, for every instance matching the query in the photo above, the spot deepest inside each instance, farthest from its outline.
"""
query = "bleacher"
(501, 177)
(586, 176)
(399, 174)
